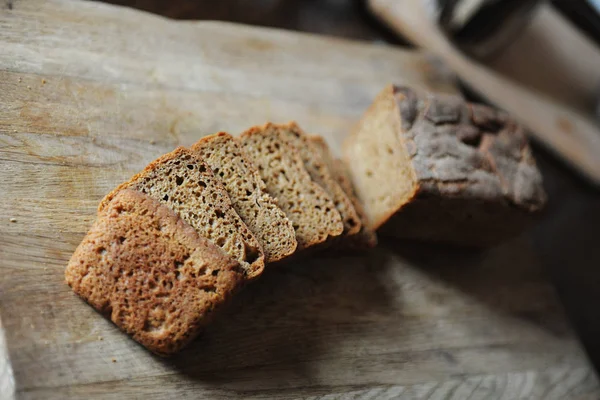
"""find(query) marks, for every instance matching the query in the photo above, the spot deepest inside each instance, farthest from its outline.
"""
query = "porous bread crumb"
(187, 185)
(306, 204)
(366, 238)
(248, 194)
(148, 271)
(322, 175)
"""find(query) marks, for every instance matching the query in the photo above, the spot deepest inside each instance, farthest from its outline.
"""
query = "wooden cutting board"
(90, 93)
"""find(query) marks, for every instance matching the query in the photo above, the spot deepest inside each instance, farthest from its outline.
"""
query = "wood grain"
(88, 97)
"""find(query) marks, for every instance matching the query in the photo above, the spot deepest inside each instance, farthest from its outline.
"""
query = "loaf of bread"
(309, 207)
(320, 173)
(248, 194)
(433, 167)
(366, 238)
(149, 272)
(187, 185)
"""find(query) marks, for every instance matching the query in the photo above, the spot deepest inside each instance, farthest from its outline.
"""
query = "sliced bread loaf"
(444, 169)
(150, 273)
(307, 205)
(366, 238)
(319, 173)
(248, 194)
(185, 184)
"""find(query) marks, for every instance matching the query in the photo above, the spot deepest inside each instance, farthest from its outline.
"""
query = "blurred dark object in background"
(328, 17)
(549, 47)
(262, 12)
(483, 27)
(585, 14)
(472, 22)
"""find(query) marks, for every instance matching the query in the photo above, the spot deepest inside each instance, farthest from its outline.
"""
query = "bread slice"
(366, 238)
(150, 273)
(319, 173)
(186, 185)
(309, 207)
(248, 194)
(444, 169)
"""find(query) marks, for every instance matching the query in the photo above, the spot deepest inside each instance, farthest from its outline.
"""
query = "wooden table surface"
(90, 93)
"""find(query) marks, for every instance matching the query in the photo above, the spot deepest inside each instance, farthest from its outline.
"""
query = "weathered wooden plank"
(88, 97)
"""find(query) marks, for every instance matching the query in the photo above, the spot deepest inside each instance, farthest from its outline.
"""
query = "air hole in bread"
(473, 141)
(178, 276)
(492, 126)
(179, 180)
(252, 253)
(190, 166)
(153, 326)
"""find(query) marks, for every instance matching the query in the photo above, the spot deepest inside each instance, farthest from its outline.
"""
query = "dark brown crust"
(477, 180)
(150, 273)
(231, 232)
(466, 150)
(366, 238)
